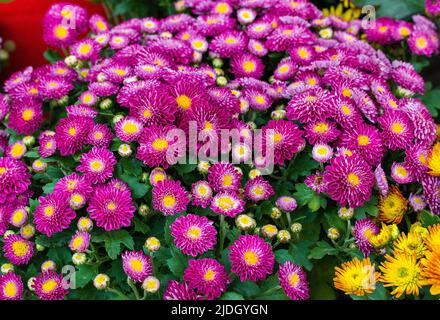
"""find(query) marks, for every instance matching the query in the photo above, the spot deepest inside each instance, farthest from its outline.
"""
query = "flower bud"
(333, 233)
(101, 77)
(48, 265)
(152, 244)
(269, 231)
(105, 104)
(245, 222)
(4, 55)
(254, 173)
(101, 281)
(144, 210)
(203, 166)
(278, 114)
(30, 284)
(85, 224)
(284, 236)
(77, 201)
(217, 63)
(29, 141)
(39, 166)
(296, 227)
(394, 231)
(144, 177)
(63, 101)
(8, 233)
(125, 150)
(7, 267)
(71, 61)
(117, 118)
(222, 81)
(275, 213)
(79, 258)
(40, 247)
(151, 284)
(345, 213)
(27, 231)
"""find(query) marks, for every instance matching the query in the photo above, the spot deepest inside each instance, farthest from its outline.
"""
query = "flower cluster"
(98, 154)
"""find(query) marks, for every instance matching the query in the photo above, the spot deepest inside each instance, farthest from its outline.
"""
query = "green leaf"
(303, 166)
(282, 256)
(138, 189)
(61, 256)
(232, 296)
(368, 209)
(85, 274)
(52, 56)
(303, 194)
(432, 101)
(428, 219)
(185, 168)
(140, 226)
(177, 263)
(113, 241)
(321, 250)
(300, 253)
(48, 188)
(397, 9)
(247, 288)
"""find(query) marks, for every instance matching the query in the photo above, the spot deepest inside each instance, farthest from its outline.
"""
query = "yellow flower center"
(363, 140)
(111, 205)
(49, 286)
(293, 279)
(303, 53)
(10, 289)
(17, 150)
(397, 128)
(84, 48)
(421, 43)
(27, 114)
(209, 275)
(169, 201)
(160, 144)
(49, 211)
(284, 68)
(130, 128)
(184, 102)
(277, 137)
(249, 66)
(321, 127)
(353, 179)
(96, 165)
(226, 203)
(61, 32)
(136, 265)
(193, 233)
(346, 110)
(227, 180)
(77, 242)
(346, 93)
(251, 258)
(72, 131)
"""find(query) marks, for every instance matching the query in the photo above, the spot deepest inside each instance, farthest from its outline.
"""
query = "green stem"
(133, 287)
(222, 233)
(119, 293)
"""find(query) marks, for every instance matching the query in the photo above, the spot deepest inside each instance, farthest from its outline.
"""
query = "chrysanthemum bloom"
(193, 234)
(366, 140)
(207, 276)
(283, 138)
(432, 240)
(316, 182)
(53, 214)
(258, 189)
(310, 105)
(71, 134)
(363, 230)
(98, 24)
(302, 55)
(251, 258)
(86, 49)
(111, 208)
(382, 33)
(80, 241)
(179, 291)
(100, 136)
(128, 129)
(356, 277)
(136, 265)
(423, 42)
(403, 273)
(406, 77)
(14, 178)
(321, 132)
(322, 152)
(153, 107)
(433, 162)
(97, 164)
(397, 129)
(158, 147)
(400, 173)
(57, 34)
(432, 7)
(201, 194)
(293, 280)
(286, 203)
(256, 98)
(18, 216)
(17, 249)
(349, 180)
(229, 43)
(157, 175)
(224, 177)
(424, 126)
(409, 244)
(247, 65)
(25, 116)
(227, 204)
(392, 207)
(49, 286)
(17, 150)
(431, 191)
(430, 271)
(169, 197)
(417, 202)
(11, 287)
(288, 35)
(73, 183)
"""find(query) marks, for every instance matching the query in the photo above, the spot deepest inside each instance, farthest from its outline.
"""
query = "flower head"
(356, 277)
(49, 286)
(293, 280)
(136, 265)
(17, 249)
(169, 197)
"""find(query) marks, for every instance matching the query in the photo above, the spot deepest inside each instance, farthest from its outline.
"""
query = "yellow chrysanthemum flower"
(431, 271)
(382, 238)
(346, 10)
(433, 239)
(409, 244)
(403, 272)
(434, 160)
(418, 230)
(392, 208)
(356, 277)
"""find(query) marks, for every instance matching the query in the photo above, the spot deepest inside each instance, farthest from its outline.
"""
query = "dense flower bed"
(90, 175)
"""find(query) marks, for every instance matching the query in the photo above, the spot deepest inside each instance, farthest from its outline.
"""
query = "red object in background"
(22, 22)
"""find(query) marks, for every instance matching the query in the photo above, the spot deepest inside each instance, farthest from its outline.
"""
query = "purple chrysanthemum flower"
(80, 241)
(363, 229)
(286, 203)
(286, 36)
(401, 174)
(322, 152)
(285, 70)
(137, 265)
(316, 182)
(397, 129)
(424, 125)
(247, 65)
(179, 291)
(17, 249)
(404, 75)
(251, 258)
(207, 276)
(224, 177)
(349, 180)
(169, 197)
(25, 116)
(11, 287)
(416, 157)
(417, 202)
(100, 136)
(293, 280)
(227, 204)
(193, 234)
(49, 285)
(321, 132)
(310, 105)
(53, 214)
(201, 194)
(258, 189)
(431, 191)
(229, 43)
(71, 134)
(111, 207)
(128, 129)
(97, 164)
(14, 178)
